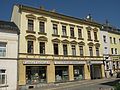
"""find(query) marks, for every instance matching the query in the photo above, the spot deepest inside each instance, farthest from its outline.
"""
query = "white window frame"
(1, 76)
(3, 49)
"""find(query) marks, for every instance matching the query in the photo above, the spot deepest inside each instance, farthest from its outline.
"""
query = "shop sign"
(69, 62)
(36, 62)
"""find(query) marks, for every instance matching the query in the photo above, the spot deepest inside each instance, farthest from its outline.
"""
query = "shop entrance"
(78, 72)
(35, 74)
(61, 73)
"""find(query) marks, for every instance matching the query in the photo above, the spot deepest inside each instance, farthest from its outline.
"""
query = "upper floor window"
(110, 39)
(114, 40)
(115, 50)
(95, 35)
(72, 31)
(73, 50)
(104, 39)
(81, 50)
(89, 34)
(42, 47)
(79, 33)
(30, 25)
(65, 52)
(2, 49)
(112, 52)
(2, 77)
(55, 29)
(30, 47)
(64, 30)
(97, 51)
(91, 51)
(56, 51)
(42, 26)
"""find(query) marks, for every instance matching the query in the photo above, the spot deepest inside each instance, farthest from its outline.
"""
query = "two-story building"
(55, 48)
(8, 55)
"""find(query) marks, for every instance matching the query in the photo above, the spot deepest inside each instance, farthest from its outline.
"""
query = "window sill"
(90, 40)
(96, 40)
(80, 38)
(41, 33)
(1, 86)
(54, 35)
(64, 36)
(28, 31)
(73, 37)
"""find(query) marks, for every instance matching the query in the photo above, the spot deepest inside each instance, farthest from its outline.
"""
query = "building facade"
(56, 48)
(8, 55)
(110, 37)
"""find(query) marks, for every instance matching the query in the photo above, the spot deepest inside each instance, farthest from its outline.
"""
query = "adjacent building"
(55, 48)
(8, 55)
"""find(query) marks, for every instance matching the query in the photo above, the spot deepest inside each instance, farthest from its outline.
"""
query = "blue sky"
(99, 9)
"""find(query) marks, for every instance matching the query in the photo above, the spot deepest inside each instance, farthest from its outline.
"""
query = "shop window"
(97, 51)
(2, 49)
(110, 39)
(55, 29)
(89, 35)
(81, 50)
(64, 31)
(104, 39)
(79, 33)
(42, 26)
(65, 50)
(91, 51)
(2, 77)
(112, 51)
(35, 74)
(55, 49)
(95, 35)
(73, 50)
(72, 31)
(30, 47)
(30, 25)
(42, 47)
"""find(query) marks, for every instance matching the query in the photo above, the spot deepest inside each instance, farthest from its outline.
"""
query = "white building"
(8, 55)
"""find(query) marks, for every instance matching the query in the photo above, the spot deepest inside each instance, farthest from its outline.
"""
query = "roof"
(8, 26)
(57, 15)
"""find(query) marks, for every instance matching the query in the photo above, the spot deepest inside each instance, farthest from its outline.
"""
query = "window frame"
(89, 34)
(64, 31)
(31, 48)
(1, 75)
(95, 36)
(97, 51)
(73, 47)
(79, 33)
(72, 34)
(56, 48)
(65, 49)
(42, 47)
(3, 49)
(91, 51)
(30, 24)
(55, 29)
(41, 26)
(104, 39)
(81, 48)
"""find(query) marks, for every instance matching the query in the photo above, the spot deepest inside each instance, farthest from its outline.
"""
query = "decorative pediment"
(31, 16)
(65, 41)
(88, 28)
(97, 45)
(42, 18)
(95, 29)
(43, 38)
(81, 43)
(91, 44)
(56, 40)
(31, 37)
(73, 42)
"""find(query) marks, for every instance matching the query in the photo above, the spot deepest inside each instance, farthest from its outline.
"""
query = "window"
(105, 47)
(64, 31)
(79, 33)
(30, 25)
(42, 27)
(81, 50)
(30, 47)
(65, 50)
(55, 49)
(55, 29)
(72, 31)
(91, 51)
(73, 50)
(89, 34)
(97, 51)
(104, 39)
(114, 40)
(42, 47)
(110, 39)
(2, 49)
(112, 51)
(2, 76)
(115, 50)
(95, 35)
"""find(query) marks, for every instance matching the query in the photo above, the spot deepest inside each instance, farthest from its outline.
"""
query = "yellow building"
(55, 47)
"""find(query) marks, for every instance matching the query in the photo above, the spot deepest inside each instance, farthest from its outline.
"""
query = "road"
(98, 84)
